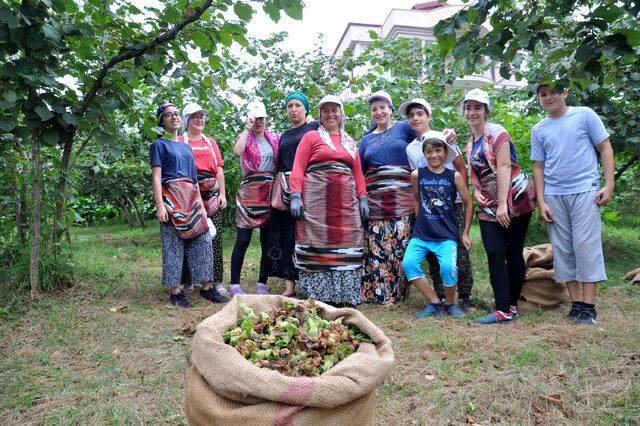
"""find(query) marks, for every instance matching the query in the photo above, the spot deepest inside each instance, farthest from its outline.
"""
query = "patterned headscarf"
(346, 141)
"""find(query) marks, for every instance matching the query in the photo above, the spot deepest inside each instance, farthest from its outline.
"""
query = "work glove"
(296, 208)
(364, 208)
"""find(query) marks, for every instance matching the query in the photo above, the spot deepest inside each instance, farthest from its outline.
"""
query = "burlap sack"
(633, 276)
(540, 289)
(538, 256)
(223, 388)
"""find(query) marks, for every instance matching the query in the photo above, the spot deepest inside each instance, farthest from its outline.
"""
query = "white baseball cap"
(256, 109)
(333, 99)
(191, 108)
(478, 95)
(419, 101)
(433, 134)
(380, 95)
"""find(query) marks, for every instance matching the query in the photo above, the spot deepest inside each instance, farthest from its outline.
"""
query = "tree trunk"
(34, 277)
(139, 214)
(61, 194)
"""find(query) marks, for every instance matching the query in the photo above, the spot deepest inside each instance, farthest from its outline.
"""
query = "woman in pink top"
(329, 197)
(212, 190)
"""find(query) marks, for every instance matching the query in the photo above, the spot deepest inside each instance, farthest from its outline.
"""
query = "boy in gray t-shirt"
(563, 149)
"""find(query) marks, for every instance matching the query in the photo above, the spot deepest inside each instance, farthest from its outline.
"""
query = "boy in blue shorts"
(436, 229)
(563, 149)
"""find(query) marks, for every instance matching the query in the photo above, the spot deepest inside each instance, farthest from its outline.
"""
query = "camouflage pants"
(465, 277)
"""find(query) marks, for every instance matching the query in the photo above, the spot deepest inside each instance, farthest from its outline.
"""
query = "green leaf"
(272, 10)
(51, 137)
(201, 40)
(294, 11)
(43, 112)
(633, 36)
(10, 96)
(609, 13)
(70, 118)
(244, 11)
(50, 32)
(8, 123)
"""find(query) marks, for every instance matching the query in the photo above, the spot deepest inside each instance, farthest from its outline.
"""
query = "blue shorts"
(445, 251)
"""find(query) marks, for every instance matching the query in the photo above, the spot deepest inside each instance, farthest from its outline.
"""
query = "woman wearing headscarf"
(329, 198)
(281, 235)
(257, 149)
(506, 199)
(211, 183)
(183, 220)
(388, 176)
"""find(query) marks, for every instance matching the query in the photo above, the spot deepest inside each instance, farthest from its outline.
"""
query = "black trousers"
(504, 255)
(243, 238)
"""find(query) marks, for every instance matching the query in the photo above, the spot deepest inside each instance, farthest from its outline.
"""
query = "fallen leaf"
(114, 309)
(559, 376)
(539, 420)
(471, 420)
(567, 412)
(537, 407)
(115, 351)
(555, 398)
(430, 377)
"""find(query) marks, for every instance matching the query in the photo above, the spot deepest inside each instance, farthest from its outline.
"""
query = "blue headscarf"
(299, 96)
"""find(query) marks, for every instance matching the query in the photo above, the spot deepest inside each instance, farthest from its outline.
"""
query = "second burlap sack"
(540, 289)
(224, 388)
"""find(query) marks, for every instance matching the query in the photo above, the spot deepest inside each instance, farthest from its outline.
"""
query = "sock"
(588, 307)
(261, 284)
(576, 305)
(236, 286)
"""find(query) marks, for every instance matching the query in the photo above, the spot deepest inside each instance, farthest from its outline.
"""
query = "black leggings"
(504, 255)
(243, 238)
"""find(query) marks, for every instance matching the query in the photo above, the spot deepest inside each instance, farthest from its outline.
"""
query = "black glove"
(296, 208)
(364, 208)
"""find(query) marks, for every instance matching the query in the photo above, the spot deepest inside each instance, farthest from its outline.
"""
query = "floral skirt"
(383, 279)
(335, 287)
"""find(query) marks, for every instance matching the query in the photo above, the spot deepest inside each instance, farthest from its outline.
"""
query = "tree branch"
(130, 54)
(626, 165)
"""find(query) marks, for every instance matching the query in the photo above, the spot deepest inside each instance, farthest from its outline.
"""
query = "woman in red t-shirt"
(211, 182)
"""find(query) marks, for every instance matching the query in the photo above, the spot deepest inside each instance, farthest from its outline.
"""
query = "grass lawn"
(111, 350)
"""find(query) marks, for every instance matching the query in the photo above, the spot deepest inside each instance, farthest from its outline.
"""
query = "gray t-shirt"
(567, 147)
(267, 158)
(417, 159)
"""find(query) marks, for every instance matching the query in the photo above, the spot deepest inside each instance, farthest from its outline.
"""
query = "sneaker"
(223, 291)
(587, 317)
(261, 289)
(178, 299)
(236, 290)
(211, 295)
(454, 311)
(495, 317)
(431, 310)
(466, 305)
(573, 314)
(514, 311)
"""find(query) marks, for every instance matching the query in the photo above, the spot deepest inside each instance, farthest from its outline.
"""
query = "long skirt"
(280, 243)
(383, 279)
(328, 250)
(253, 200)
(336, 287)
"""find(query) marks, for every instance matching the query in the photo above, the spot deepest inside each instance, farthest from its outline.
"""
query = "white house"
(417, 22)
